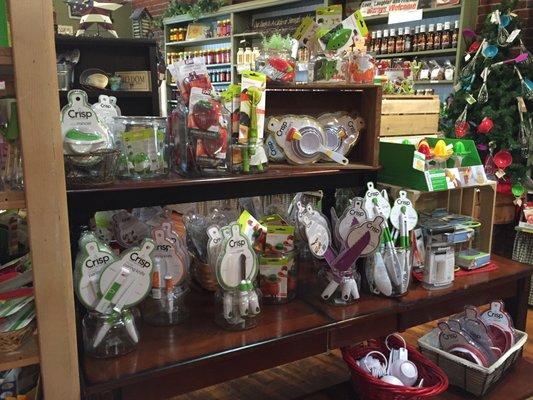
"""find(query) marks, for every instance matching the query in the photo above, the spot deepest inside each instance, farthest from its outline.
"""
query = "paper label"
(357, 232)
(436, 180)
(497, 316)
(353, 215)
(513, 35)
(373, 198)
(403, 206)
(397, 17)
(419, 161)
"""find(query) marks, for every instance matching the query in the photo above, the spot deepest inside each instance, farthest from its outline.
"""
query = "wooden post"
(38, 107)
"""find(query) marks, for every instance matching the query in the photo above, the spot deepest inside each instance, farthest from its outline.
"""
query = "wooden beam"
(38, 106)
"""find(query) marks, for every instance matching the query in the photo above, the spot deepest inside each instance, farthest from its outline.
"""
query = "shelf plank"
(426, 53)
(117, 93)
(6, 56)
(426, 13)
(432, 82)
(28, 354)
(197, 42)
(9, 199)
(176, 189)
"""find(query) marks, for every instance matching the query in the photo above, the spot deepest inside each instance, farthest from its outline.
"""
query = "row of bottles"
(220, 75)
(220, 29)
(213, 56)
(438, 36)
(246, 57)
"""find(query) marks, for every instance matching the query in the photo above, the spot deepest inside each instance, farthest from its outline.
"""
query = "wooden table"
(198, 353)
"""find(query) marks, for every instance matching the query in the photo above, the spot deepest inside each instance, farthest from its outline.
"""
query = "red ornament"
(461, 129)
(485, 126)
(473, 47)
(503, 159)
(424, 149)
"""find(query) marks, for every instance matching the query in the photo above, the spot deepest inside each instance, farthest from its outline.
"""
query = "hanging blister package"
(374, 198)
(82, 130)
(345, 34)
(106, 109)
(353, 215)
(176, 264)
(316, 230)
(93, 257)
(189, 74)
(252, 110)
(127, 281)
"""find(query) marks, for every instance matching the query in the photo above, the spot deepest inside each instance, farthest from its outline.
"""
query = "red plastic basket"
(370, 388)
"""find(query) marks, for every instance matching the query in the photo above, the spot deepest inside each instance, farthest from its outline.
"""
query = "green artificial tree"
(489, 115)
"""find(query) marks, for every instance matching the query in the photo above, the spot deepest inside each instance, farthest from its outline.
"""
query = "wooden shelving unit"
(28, 354)
(197, 42)
(426, 53)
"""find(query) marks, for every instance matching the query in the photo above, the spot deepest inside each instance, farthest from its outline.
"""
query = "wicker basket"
(523, 243)
(11, 341)
(97, 168)
(204, 275)
(465, 374)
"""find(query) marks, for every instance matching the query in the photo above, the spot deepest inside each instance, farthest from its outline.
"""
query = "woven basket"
(98, 168)
(523, 243)
(370, 388)
(204, 275)
(465, 374)
(11, 341)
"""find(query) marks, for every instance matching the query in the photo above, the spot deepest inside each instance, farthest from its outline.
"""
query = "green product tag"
(361, 24)
(470, 99)
(436, 180)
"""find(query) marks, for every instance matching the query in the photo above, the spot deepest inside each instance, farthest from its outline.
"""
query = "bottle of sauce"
(377, 44)
(422, 38)
(385, 42)
(415, 38)
(438, 37)
(407, 40)
(240, 56)
(455, 34)
(430, 37)
(391, 45)
(446, 40)
(372, 42)
(400, 41)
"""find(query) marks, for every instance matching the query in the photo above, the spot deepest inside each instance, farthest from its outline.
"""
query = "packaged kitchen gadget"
(190, 73)
(165, 304)
(236, 269)
(143, 145)
(83, 132)
(248, 158)
(278, 277)
(345, 34)
(276, 61)
(252, 111)
(328, 68)
(106, 109)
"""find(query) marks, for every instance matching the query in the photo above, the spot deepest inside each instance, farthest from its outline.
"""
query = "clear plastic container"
(163, 308)
(341, 293)
(248, 159)
(239, 309)
(277, 65)
(111, 335)
(278, 277)
(143, 142)
(380, 281)
(328, 69)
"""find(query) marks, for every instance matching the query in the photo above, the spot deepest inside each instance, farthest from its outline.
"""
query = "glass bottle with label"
(377, 44)
(430, 37)
(437, 44)
(391, 44)
(422, 38)
(400, 41)
(415, 38)
(370, 46)
(248, 55)
(407, 40)
(455, 34)
(446, 36)
(385, 42)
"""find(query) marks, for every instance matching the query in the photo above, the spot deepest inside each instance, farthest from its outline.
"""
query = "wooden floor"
(325, 377)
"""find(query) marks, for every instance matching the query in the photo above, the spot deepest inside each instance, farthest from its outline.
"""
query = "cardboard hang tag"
(106, 109)
(374, 197)
(91, 260)
(127, 281)
(374, 227)
(237, 260)
(353, 215)
(403, 206)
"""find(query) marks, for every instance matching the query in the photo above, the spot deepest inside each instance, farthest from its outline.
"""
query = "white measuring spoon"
(311, 144)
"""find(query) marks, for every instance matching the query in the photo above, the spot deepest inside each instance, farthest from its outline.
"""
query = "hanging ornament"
(483, 94)
(470, 68)
(489, 51)
(485, 126)
(527, 86)
(489, 166)
(461, 125)
(518, 191)
(524, 50)
(524, 129)
(503, 34)
(502, 160)
(474, 46)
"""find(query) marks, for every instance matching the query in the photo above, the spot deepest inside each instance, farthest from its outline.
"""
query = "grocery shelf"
(176, 189)
(28, 354)
(200, 41)
(222, 65)
(167, 360)
(247, 34)
(426, 53)
(10, 199)
(426, 13)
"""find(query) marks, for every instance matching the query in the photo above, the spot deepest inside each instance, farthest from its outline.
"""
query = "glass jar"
(378, 277)
(329, 68)
(143, 145)
(239, 309)
(278, 66)
(166, 307)
(362, 68)
(278, 277)
(110, 335)
(248, 158)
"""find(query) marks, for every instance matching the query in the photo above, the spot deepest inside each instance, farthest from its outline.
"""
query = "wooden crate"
(403, 115)
(475, 201)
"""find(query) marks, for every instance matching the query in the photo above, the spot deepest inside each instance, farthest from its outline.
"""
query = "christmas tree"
(492, 99)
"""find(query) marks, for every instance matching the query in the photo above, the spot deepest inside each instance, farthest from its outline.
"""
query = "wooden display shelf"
(198, 353)
(176, 189)
(10, 199)
(199, 42)
(117, 93)
(28, 354)
(425, 53)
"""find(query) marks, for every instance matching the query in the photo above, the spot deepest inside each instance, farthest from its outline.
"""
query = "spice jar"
(400, 41)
